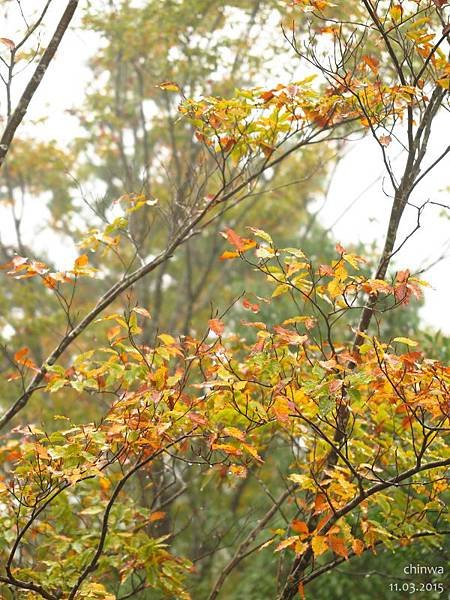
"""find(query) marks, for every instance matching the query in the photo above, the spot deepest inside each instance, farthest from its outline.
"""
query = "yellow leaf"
(319, 545)
(298, 479)
(234, 432)
(396, 12)
(169, 86)
(253, 452)
(280, 289)
(444, 83)
(300, 547)
(404, 340)
(290, 541)
(167, 339)
(335, 288)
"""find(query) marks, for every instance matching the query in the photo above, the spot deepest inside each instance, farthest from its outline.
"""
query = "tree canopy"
(213, 398)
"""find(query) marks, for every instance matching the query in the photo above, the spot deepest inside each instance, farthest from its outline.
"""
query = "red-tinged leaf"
(440, 3)
(8, 43)
(326, 270)
(227, 143)
(290, 541)
(335, 385)
(250, 306)
(235, 239)
(299, 527)
(402, 276)
(266, 96)
(81, 261)
(385, 140)
(338, 546)
(196, 418)
(291, 337)
(340, 249)
(216, 326)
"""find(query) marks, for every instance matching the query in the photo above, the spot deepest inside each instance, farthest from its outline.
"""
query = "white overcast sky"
(366, 217)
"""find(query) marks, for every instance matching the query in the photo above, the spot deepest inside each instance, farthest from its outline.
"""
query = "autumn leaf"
(250, 306)
(372, 62)
(319, 545)
(234, 432)
(301, 590)
(142, 311)
(291, 337)
(290, 541)
(396, 12)
(8, 43)
(299, 527)
(338, 546)
(167, 339)
(385, 140)
(157, 516)
(217, 326)
(404, 340)
(358, 546)
(227, 255)
(81, 261)
(169, 86)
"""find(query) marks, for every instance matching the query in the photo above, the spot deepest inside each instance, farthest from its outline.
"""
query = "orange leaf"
(227, 255)
(371, 62)
(320, 504)
(217, 326)
(338, 546)
(81, 261)
(301, 590)
(358, 547)
(20, 354)
(235, 239)
(157, 516)
(299, 527)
